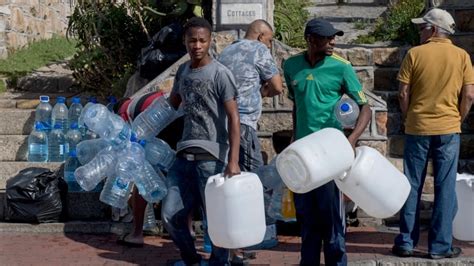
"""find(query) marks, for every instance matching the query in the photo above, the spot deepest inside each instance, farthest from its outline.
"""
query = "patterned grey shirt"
(252, 64)
(203, 92)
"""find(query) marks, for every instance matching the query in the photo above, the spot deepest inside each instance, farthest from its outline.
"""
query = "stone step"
(347, 13)
(91, 227)
(26, 100)
(13, 147)
(16, 121)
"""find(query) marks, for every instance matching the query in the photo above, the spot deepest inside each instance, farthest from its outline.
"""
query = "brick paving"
(363, 243)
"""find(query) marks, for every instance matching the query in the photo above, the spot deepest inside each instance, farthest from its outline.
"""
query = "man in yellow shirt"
(436, 93)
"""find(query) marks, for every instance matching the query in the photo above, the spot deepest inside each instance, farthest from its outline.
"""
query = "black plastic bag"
(36, 195)
(165, 48)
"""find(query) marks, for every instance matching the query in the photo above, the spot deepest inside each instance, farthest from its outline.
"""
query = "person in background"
(435, 93)
(316, 80)
(210, 142)
(256, 75)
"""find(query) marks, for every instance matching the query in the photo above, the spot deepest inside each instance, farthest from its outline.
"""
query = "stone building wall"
(23, 21)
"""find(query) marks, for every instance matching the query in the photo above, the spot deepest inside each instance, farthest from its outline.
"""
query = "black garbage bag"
(36, 195)
(165, 48)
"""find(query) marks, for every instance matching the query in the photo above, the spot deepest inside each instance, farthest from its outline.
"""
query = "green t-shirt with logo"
(316, 90)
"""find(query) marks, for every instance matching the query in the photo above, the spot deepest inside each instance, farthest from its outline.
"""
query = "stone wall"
(23, 21)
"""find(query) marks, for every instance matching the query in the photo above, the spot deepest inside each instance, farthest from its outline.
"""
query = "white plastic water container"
(375, 184)
(314, 160)
(463, 224)
(235, 210)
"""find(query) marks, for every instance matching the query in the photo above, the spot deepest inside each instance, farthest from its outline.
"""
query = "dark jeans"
(322, 218)
(186, 182)
(444, 151)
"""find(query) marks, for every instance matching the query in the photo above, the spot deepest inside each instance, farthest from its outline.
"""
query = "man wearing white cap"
(436, 93)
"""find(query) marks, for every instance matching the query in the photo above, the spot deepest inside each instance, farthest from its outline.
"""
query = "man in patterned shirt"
(256, 75)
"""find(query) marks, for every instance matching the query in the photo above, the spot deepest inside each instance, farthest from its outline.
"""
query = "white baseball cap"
(437, 17)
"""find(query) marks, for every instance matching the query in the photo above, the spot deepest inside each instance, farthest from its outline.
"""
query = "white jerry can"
(235, 210)
(314, 160)
(463, 224)
(375, 184)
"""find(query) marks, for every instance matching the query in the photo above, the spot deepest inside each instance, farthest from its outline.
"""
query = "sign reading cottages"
(234, 14)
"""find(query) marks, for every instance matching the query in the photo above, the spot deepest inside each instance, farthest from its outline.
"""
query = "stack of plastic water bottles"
(125, 155)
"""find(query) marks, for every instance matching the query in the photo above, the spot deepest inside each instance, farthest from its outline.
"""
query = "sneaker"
(269, 240)
(400, 252)
(455, 252)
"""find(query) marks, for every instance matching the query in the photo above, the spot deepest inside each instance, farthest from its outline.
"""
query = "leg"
(178, 204)
(415, 160)
(445, 161)
(205, 169)
(139, 205)
(310, 235)
(250, 155)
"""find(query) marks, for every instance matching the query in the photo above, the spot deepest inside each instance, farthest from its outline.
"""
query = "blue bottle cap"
(142, 142)
(60, 99)
(44, 98)
(72, 153)
(112, 99)
(57, 126)
(39, 126)
(92, 99)
(76, 100)
(133, 137)
(74, 125)
(345, 107)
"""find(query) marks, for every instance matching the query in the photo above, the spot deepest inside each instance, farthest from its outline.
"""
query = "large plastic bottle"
(59, 115)
(58, 147)
(107, 125)
(374, 184)
(38, 144)
(102, 165)
(150, 219)
(159, 153)
(43, 113)
(314, 160)
(235, 210)
(86, 150)
(70, 166)
(151, 183)
(86, 134)
(74, 110)
(346, 112)
(154, 119)
(129, 165)
(73, 136)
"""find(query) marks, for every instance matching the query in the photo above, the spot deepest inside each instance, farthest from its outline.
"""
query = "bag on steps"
(35, 195)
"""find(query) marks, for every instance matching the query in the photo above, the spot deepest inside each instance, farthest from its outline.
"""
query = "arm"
(362, 122)
(174, 100)
(272, 87)
(404, 98)
(467, 97)
(232, 112)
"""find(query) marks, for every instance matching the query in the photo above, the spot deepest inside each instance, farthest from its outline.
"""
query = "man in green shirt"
(316, 80)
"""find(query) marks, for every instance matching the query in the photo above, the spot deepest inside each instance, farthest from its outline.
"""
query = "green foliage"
(396, 25)
(35, 55)
(290, 18)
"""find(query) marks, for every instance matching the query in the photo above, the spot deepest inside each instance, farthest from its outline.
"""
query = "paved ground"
(366, 246)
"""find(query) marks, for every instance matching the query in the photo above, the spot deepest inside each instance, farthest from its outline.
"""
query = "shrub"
(290, 17)
(396, 25)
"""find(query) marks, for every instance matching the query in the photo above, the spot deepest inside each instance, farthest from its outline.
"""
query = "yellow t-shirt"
(436, 72)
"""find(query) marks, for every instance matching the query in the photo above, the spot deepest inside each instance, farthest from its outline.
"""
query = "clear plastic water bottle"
(38, 144)
(129, 165)
(73, 136)
(83, 128)
(112, 101)
(102, 165)
(159, 153)
(59, 114)
(107, 125)
(70, 166)
(86, 150)
(154, 119)
(74, 110)
(58, 147)
(149, 222)
(43, 113)
(346, 112)
(151, 184)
